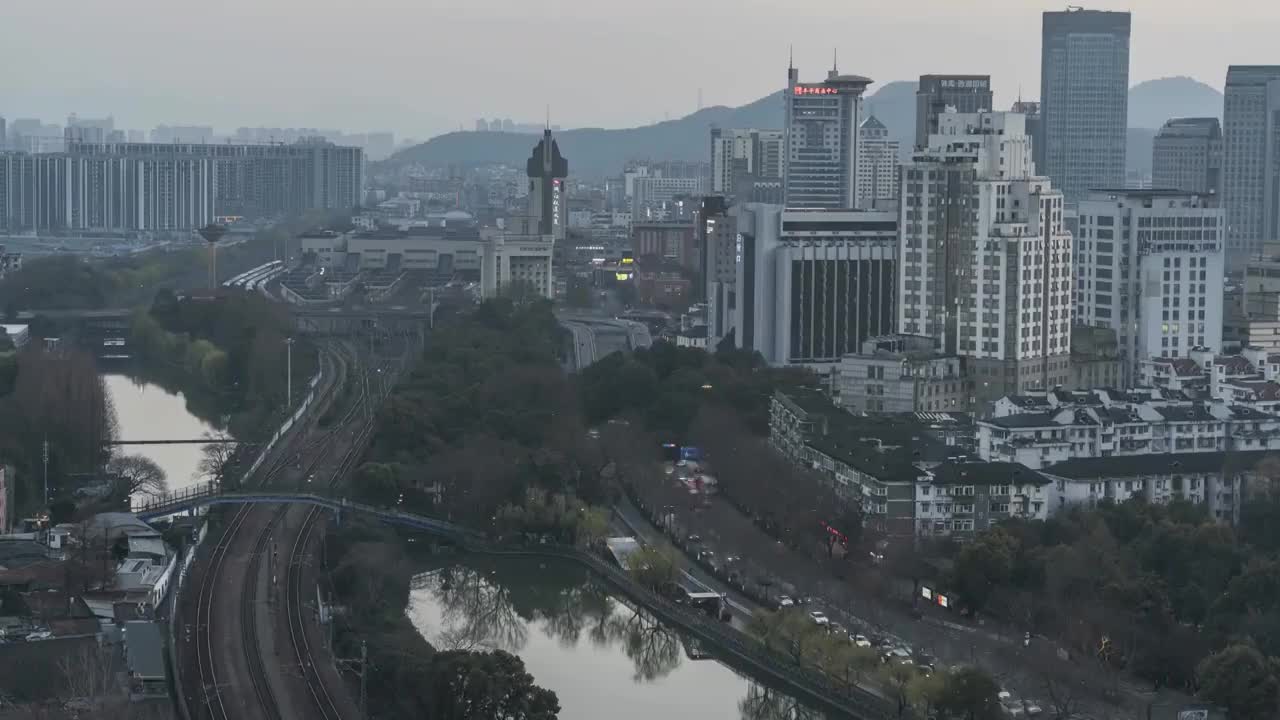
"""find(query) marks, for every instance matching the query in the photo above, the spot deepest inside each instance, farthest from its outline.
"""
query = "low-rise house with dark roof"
(959, 499)
(876, 460)
(1214, 479)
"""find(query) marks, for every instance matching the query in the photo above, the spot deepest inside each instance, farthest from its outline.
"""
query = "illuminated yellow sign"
(622, 276)
(628, 261)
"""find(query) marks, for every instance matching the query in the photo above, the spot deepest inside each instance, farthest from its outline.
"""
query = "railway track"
(214, 702)
(316, 449)
(296, 609)
(211, 690)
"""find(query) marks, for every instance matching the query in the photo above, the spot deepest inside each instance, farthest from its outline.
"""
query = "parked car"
(836, 628)
(861, 641)
(39, 635)
(819, 618)
(785, 601)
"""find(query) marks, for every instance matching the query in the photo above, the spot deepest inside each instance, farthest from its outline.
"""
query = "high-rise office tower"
(935, 93)
(1251, 160)
(985, 261)
(1149, 265)
(822, 140)
(1084, 99)
(1187, 156)
(741, 157)
(547, 169)
(877, 165)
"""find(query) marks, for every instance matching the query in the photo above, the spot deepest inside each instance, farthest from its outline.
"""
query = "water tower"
(212, 233)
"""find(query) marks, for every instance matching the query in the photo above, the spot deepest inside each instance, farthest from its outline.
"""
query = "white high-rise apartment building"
(822, 141)
(985, 260)
(1149, 264)
(877, 164)
(1251, 160)
(1084, 99)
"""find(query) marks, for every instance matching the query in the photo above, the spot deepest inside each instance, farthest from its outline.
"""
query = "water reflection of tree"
(476, 613)
(764, 703)
(653, 649)
(485, 606)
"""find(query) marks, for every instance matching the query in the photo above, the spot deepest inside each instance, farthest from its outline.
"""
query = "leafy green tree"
(984, 565)
(487, 686)
(654, 567)
(1241, 680)
(969, 694)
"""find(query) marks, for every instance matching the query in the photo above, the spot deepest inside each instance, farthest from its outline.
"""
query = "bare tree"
(137, 474)
(90, 673)
(1064, 699)
(216, 457)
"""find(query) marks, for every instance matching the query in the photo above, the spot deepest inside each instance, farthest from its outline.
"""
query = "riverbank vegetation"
(408, 677)
(58, 398)
(233, 348)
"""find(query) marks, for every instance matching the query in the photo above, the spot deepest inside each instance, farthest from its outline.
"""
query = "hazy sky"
(421, 67)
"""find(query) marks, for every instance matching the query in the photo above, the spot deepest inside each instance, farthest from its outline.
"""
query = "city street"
(859, 604)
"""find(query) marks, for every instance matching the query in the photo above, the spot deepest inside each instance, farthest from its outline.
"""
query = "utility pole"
(45, 455)
(364, 674)
(289, 375)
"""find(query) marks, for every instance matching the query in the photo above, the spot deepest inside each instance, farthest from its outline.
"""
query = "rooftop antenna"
(835, 65)
(791, 57)
(548, 116)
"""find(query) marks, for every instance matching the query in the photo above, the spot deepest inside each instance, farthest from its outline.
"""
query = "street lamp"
(289, 374)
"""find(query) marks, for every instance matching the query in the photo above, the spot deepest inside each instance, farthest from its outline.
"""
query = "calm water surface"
(146, 411)
(601, 657)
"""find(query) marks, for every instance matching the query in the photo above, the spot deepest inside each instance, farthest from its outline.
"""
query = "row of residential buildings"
(155, 186)
(920, 475)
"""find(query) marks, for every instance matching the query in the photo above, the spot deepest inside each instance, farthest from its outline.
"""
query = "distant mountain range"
(595, 152)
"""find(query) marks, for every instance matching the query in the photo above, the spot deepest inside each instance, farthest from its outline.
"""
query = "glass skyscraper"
(1250, 165)
(1084, 99)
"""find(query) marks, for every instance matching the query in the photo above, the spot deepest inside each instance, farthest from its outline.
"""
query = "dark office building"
(966, 93)
(547, 169)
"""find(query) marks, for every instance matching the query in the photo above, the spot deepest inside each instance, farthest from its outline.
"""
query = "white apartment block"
(985, 259)
(1214, 479)
(1149, 264)
(877, 182)
(1042, 430)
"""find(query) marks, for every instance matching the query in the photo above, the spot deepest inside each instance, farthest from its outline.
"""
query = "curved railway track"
(316, 449)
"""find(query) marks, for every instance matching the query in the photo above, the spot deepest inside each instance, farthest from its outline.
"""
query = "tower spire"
(791, 57)
(835, 60)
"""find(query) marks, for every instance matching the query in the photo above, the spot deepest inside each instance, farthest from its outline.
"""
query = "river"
(602, 658)
(146, 411)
